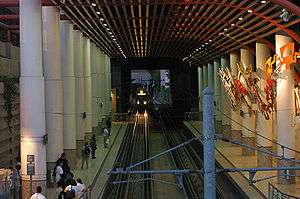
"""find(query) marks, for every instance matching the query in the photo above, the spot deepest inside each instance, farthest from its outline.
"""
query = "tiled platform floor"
(89, 175)
(230, 156)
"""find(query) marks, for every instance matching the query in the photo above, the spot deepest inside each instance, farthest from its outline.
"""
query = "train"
(141, 99)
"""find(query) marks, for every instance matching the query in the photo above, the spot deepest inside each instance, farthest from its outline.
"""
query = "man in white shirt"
(38, 194)
(105, 137)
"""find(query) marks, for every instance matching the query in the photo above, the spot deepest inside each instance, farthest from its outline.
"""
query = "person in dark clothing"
(93, 145)
(85, 155)
(108, 124)
(65, 163)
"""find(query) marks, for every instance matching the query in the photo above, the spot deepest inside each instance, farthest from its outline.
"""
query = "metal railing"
(191, 116)
(275, 193)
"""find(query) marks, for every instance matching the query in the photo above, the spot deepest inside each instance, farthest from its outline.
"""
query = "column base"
(286, 180)
(50, 179)
(79, 147)
(26, 187)
(218, 126)
(264, 160)
(226, 131)
(236, 135)
(248, 141)
(71, 157)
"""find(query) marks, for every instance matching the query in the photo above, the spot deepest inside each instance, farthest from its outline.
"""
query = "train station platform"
(95, 176)
(230, 156)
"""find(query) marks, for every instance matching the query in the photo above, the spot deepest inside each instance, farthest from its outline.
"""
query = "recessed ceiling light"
(210, 40)
(225, 29)
(110, 33)
(250, 11)
(240, 18)
(107, 29)
(232, 24)
(101, 19)
(202, 45)
(112, 36)
(206, 43)
(263, 1)
(105, 24)
(98, 13)
(93, 4)
(114, 39)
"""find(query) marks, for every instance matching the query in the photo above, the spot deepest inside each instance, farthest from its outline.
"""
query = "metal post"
(209, 145)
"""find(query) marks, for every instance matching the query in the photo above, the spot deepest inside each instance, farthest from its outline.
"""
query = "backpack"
(70, 194)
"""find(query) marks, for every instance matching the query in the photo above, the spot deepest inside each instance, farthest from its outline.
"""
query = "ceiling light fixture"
(250, 11)
(105, 24)
(232, 24)
(240, 18)
(225, 29)
(93, 4)
(110, 33)
(263, 1)
(101, 19)
(98, 13)
(210, 40)
(107, 29)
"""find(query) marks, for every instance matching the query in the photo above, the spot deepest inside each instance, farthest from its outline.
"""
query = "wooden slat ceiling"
(193, 30)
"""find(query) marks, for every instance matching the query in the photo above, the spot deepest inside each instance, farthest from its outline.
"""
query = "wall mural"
(257, 89)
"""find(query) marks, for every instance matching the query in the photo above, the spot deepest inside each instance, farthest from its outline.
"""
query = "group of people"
(68, 187)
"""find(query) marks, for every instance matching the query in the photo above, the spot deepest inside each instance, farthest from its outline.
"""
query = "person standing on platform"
(81, 188)
(93, 144)
(105, 137)
(108, 125)
(15, 181)
(38, 194)
(85, 155)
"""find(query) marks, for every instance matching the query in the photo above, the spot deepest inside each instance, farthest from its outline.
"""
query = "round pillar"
(94, 86)
(248, 118)
(225, 104)
(79, 86)
(108, 86)
(210, 76)
(53, 85)
(236, 120)
(285, 111)
(217, 96)
(263, 126)
(200, 89)
(32, 96)
(68, 76)
(102, 87)
(87, 87)
(205, 76)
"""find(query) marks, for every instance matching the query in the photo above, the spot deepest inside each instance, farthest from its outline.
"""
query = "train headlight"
(138, 102)
(145, 102)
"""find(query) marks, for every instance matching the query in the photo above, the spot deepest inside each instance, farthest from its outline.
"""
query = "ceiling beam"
(288, 6)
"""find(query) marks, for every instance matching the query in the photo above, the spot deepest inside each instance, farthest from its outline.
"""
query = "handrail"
(275, 193)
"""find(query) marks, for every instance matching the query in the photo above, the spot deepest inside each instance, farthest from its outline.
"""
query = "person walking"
(38, 194)
(105, 137)
(93, 145)
(15, 182)
(85, 155)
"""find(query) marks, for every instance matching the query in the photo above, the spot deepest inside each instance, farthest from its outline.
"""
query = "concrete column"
(79, 86)
(200, 88)
(32, 95)
(87, 87)
(94, 86)
(225, 104)
(108, 85)
(68, 76)
(53, 85)
(217, 96)
(205, 76)
(236, 120)
(210, 76)
(98, 84)
(102, 86)
(263, 126)
(248, 118)
(285, 111)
